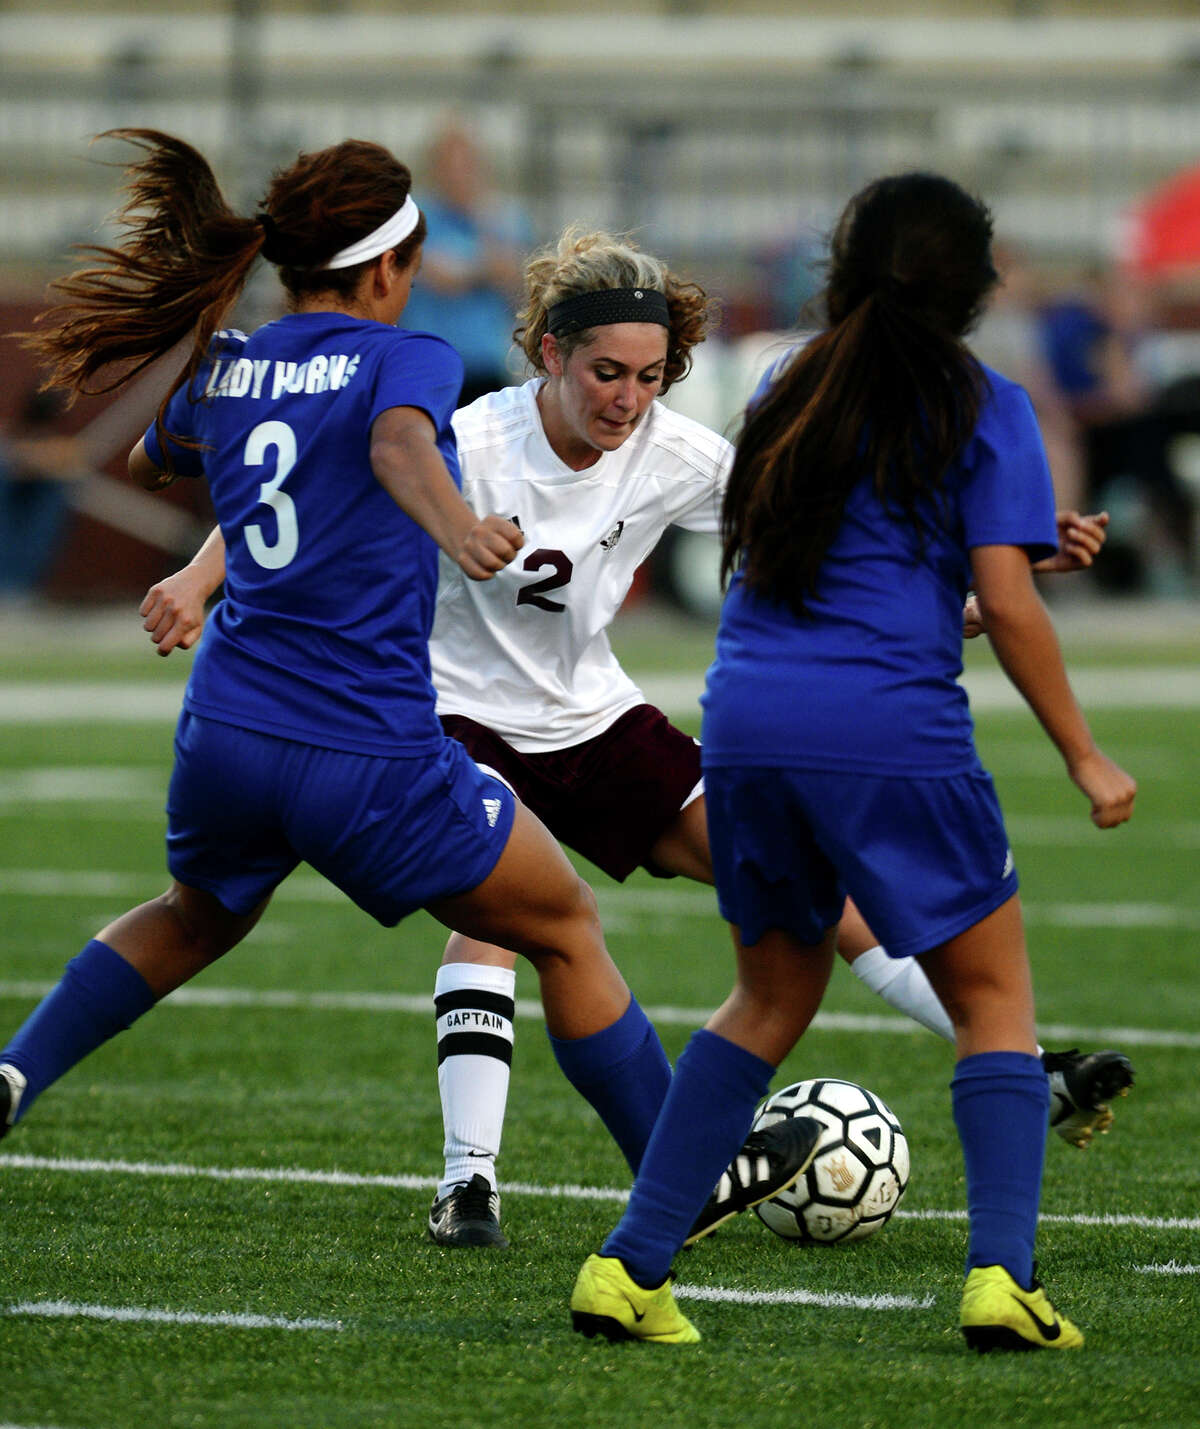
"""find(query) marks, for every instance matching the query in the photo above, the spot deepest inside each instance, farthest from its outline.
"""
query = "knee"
(589, 909)
(583, 916)
(205, 926)
(569, 931)
(462, 949)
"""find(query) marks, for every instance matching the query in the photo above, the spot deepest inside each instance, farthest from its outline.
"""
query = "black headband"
(605, 306)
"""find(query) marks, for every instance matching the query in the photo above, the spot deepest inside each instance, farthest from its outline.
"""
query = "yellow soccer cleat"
(607, 1302)
(997, 1314)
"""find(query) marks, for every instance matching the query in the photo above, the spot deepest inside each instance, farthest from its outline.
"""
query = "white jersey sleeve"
(526, 653)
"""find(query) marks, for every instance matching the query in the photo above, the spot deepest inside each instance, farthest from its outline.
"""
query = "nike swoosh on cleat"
(637, 1318)
(1049, 1332)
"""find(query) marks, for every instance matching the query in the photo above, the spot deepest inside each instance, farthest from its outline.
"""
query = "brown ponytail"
(180, 269)
(185, 256)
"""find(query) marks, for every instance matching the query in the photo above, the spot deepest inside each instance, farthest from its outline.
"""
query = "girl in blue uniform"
(308, 729)
(881, 476)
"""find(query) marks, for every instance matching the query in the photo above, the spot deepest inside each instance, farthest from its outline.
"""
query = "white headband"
(387, 235)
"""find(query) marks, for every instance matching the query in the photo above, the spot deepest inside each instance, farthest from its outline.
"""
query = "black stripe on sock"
(471, 997)
(474, 1044)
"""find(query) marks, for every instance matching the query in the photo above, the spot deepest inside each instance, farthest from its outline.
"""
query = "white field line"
(685, 902)
(1120, 687)
(354, 1180)
(421, 1004)
(135, 791)
(1076, 831)
(1171, 1267)
(834, 1300)
(1154, 1223)
(108, 784)
(81, 783)
(290, 1175)
(144, 702)
(142, 1315)
(89, 702)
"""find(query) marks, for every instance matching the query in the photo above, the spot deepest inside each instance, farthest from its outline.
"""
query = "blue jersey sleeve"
(770, 377)
(436, 392)
(181, 419)
(1007, 498)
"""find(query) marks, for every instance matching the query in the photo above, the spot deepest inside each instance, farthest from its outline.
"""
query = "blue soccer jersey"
(329, 592)
(867, 681)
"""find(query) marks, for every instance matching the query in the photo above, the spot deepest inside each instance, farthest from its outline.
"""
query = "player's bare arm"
(173, 610)
(148, 474)
(1079, 541)
(1026, 645)
(409, 466)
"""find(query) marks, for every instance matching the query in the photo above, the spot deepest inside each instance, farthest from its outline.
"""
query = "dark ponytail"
(181, 267)
(888, 389)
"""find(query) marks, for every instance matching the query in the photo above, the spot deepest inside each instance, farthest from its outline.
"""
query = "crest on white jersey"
(613, 536)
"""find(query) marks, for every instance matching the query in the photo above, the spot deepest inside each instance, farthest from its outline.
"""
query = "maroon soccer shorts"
(609, 798)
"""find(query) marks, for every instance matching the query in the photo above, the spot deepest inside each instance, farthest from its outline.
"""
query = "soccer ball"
(860, 1170)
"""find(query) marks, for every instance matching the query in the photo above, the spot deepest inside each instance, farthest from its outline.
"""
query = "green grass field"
(219, 1219)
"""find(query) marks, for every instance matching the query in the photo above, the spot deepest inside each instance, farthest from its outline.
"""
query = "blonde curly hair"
(589, 262)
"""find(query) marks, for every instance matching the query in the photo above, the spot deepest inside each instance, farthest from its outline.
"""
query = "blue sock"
(705, 1118)
(623, 1071)
(99, 995)
(1001, 1101)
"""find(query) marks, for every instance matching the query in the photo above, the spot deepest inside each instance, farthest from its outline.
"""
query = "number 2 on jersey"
(287, 534)
(536, 594)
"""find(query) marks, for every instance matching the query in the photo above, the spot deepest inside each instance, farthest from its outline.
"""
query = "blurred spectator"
(1008, 339)
(789, 276)
(474, 257)
(1092, 337)
(1096, 340)
(36, 463)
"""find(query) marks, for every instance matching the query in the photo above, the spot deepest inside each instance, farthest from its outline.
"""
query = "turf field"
(219, 1218)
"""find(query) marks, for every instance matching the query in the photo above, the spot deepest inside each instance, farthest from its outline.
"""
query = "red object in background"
(1162, 238)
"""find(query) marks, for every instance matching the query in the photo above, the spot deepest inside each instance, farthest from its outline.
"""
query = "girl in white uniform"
(594, 469)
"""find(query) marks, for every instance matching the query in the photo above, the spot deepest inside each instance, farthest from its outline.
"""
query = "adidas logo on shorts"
(491, 807)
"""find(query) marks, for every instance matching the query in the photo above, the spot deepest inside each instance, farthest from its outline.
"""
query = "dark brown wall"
(95, 562)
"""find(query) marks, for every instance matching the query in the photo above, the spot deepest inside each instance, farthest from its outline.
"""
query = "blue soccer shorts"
(924, 859)
(244, 808)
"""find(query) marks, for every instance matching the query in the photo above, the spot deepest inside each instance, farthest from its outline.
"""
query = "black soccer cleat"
(769, 1162)
(468, 1215)
(1081, 1086)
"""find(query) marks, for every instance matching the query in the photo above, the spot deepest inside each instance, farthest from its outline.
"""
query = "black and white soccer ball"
(860, 1170)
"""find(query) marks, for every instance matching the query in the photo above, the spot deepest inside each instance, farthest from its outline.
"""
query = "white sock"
(475, 1008)
(902, 984)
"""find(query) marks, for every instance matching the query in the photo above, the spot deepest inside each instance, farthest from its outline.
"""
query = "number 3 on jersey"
(277, 435)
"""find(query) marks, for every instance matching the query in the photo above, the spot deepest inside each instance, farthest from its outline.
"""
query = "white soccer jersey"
(527, 653)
